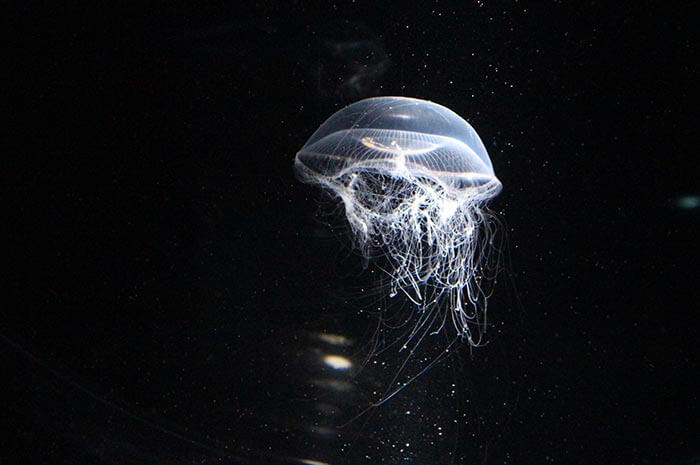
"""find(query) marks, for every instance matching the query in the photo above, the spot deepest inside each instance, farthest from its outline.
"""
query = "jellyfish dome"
(415, 179)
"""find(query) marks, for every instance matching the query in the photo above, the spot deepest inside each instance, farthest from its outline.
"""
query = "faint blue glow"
(688, 202)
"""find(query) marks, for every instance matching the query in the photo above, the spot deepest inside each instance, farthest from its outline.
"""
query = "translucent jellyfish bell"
(403, 136)
(415, 179)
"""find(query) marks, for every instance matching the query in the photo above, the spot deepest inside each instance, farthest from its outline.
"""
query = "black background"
(164, 269)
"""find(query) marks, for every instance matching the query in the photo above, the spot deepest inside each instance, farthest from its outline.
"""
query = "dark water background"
(167, 279)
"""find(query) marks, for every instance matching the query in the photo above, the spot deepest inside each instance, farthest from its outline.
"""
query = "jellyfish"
(415, 181)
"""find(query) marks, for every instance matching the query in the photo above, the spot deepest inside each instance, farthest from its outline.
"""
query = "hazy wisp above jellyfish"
(415, 180)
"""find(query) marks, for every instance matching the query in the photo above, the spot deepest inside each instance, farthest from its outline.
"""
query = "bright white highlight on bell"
(415, 179)
(396, 149)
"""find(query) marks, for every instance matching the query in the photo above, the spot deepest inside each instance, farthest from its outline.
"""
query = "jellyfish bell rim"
(486, 185)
